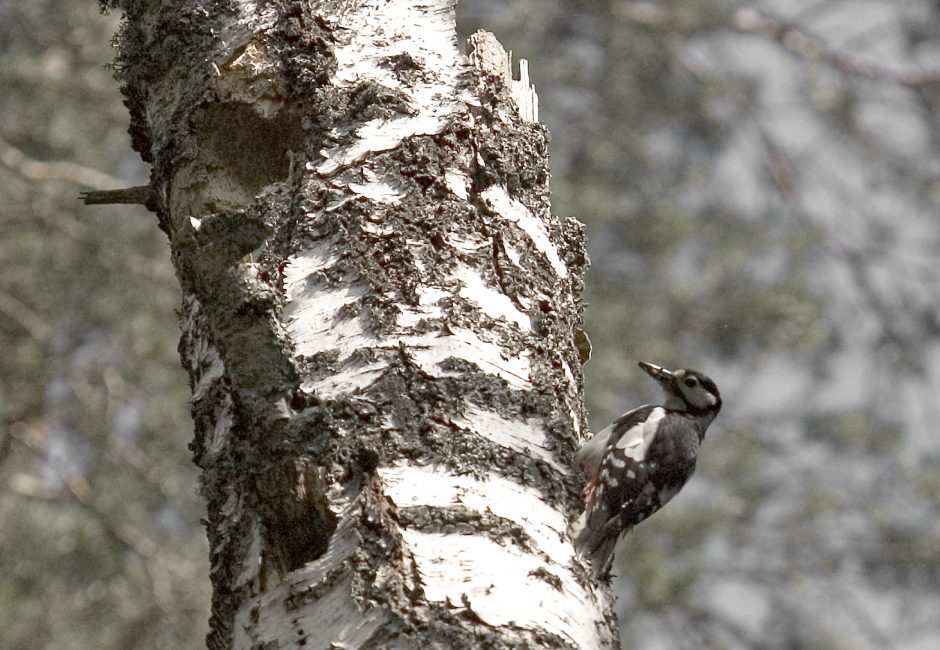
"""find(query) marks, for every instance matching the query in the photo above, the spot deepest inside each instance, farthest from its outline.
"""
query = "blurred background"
(761, 187)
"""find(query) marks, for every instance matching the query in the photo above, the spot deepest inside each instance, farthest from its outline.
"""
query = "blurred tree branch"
(51, 171)
(791, 36)
(797, 41)
(24, 316)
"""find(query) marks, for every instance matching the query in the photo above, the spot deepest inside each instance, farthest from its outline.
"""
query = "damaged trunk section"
(378, 320)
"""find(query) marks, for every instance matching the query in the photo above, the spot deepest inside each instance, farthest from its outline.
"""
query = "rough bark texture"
(378, 316)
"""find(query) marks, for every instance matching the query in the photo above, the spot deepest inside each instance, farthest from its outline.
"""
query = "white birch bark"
(378, 315)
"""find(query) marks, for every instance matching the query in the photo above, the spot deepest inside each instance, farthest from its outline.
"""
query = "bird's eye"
(690, 382)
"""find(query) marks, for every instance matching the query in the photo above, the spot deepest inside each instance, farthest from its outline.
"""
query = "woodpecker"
(642, 460)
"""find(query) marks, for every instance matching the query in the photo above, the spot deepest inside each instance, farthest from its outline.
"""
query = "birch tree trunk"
(378, 314)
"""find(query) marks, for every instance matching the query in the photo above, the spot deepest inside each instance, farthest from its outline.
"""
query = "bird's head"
(686, 390)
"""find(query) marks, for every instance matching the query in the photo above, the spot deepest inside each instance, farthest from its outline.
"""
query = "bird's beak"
(658, 373)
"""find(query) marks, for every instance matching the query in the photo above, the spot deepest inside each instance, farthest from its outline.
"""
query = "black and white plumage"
(642, 460)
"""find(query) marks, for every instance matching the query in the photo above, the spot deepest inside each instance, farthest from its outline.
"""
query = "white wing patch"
(637, 440)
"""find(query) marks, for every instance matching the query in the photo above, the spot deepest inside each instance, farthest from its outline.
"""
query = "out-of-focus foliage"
(761, 185)
(101, 545)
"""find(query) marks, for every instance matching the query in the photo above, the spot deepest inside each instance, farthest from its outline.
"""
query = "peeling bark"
(378, 317)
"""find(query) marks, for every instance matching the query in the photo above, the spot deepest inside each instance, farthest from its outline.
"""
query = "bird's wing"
(589, 457)
(633, 432)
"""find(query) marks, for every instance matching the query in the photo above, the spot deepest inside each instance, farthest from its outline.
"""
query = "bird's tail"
(596, 543)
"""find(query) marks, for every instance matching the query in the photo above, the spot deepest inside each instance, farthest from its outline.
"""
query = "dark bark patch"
(547, 576)
(461, 520)
(298, 522)
(235, 139)
(301, 593)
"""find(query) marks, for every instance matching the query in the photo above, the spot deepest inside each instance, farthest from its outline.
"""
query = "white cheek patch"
(703, 398)
(698, 396)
